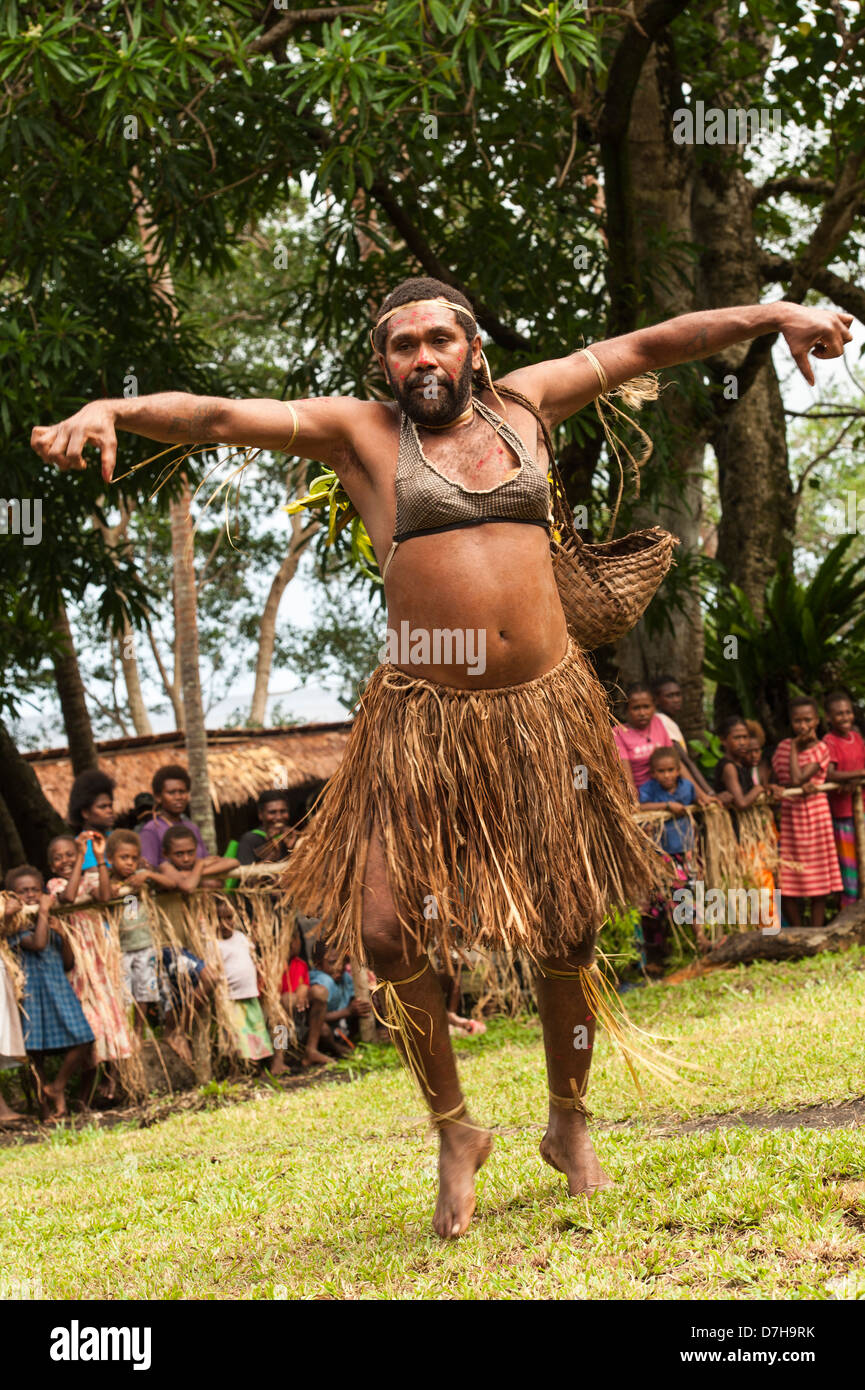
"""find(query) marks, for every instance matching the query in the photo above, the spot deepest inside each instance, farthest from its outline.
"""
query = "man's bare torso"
(496, 578)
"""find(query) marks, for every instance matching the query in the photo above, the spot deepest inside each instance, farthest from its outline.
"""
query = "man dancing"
(480, 802)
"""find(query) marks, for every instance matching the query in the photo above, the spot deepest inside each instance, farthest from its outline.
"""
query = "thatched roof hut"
(241, 762)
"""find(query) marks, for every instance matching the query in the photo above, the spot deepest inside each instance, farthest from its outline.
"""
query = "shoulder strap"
(561, 508)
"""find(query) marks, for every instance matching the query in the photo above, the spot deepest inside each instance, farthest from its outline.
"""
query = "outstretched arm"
(326, 426)
(563, 385)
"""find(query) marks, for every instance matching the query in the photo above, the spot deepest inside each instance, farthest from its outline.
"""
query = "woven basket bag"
(605, 587)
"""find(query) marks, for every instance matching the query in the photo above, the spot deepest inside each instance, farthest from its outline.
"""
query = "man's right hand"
(63, 444)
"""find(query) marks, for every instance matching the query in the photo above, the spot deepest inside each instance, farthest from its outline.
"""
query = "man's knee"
(382, 940)
(318, 994)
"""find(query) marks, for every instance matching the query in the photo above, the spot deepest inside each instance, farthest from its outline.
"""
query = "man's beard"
(430, 400)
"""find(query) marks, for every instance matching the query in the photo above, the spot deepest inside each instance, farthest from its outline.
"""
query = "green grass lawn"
(328, 1191)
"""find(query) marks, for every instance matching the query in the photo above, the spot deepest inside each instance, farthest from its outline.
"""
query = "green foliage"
(707, 750)
(811, 635)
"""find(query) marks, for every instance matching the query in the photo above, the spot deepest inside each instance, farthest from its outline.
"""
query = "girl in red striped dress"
(806, 821)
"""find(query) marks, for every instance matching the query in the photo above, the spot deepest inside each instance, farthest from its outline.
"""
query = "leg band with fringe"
(574, 1101)
(398, 1021)
(504, 813)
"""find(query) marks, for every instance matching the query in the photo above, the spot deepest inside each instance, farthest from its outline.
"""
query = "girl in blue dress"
(53, 1018)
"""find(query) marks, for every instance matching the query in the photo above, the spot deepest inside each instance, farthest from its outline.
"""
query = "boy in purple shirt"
(171, 790)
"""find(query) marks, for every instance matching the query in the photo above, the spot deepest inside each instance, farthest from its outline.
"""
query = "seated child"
(306, 1002)
(341, 1008)
(54, 1020)
(253, 1039)
(848, 767)
(142, 971)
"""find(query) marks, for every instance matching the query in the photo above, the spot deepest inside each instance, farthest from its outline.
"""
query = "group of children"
(83, 986)
(817, 848)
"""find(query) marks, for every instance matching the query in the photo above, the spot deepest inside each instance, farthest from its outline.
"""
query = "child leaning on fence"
(667, 790)
(129, 878)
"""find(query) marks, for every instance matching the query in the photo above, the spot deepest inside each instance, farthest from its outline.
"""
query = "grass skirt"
(505, 815)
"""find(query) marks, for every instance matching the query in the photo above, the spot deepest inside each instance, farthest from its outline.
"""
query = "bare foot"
(461, 1152)
(57, 1100)
(314, 1058)
(566, 1146)
(180, 1045)
(8, 1117)
(279, 1067)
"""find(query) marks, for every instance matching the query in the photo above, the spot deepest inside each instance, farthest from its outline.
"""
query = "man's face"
(429, 363)
(174, 797)
(274, 816)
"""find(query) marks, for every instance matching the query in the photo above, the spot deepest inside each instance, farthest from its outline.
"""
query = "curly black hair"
(85, 789)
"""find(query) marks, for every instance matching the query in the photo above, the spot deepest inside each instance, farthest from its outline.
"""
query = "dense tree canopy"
(527, 154)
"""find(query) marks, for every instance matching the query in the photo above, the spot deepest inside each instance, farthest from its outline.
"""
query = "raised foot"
(569, 1150)
(462, 1151)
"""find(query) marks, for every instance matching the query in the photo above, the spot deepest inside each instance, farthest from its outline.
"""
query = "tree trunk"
(70, 688)
(11, 846)
(651, 209)
(186, 618)
(183, 556)
(36, 821)
(132, 680)
(792, 943)
(300, 538)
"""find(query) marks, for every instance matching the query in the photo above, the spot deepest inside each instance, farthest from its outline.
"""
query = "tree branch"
(793, 183)
(848, 296)
(824, 453)
(284, 28)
